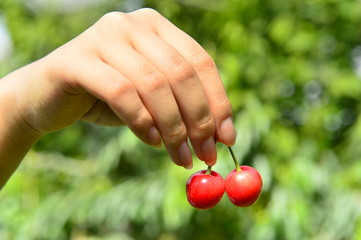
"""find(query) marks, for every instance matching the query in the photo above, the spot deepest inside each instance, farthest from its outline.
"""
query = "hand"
(136, 69)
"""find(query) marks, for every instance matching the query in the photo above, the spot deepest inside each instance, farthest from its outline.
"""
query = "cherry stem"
(236, 164)
(209, 169)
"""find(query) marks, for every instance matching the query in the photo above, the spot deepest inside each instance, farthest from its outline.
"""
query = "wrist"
(15, 111)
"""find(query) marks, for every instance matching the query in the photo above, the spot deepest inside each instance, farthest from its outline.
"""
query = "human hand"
(136, 69)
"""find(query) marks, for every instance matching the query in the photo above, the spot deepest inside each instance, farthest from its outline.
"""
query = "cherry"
(205, 189)
(243, 185)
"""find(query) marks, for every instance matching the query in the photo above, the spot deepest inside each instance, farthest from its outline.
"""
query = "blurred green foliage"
(292, 71)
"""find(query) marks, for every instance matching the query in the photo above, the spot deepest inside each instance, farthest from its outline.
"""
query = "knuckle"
(115, 19)
(154, 81)
(223, 110)
(149, 11)
(183, 71)
(147, 15)
(141, 119)
(175, 135)
(224, 104)
(203, 127)
(203, 61)
(117, 89)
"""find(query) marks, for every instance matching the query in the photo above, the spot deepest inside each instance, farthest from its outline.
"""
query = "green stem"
(236, 164)
(209, 169)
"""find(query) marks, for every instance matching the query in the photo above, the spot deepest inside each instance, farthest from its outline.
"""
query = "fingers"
(188, 93)
(159, 82)
(156, 93)
(208, 75)
(181, 90)
(111, 87)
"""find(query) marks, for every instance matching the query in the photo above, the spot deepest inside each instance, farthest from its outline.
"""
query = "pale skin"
(135, 69)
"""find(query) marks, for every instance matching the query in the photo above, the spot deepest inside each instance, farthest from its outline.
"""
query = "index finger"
(208, 75)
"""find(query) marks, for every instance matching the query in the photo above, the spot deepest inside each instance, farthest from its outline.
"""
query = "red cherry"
(205, 189)
(243, 186)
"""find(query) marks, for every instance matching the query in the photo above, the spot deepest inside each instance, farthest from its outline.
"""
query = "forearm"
(16, 136)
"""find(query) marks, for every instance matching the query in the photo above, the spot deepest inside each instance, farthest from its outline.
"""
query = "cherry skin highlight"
(204, 191)
(243, 187)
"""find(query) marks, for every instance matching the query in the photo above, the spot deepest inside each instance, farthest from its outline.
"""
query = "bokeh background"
(292, 70)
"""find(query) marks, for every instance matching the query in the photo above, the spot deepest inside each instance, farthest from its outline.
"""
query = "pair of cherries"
(205, 188)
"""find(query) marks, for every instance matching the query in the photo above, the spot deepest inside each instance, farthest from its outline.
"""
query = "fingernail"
(189, 166)
(209, 152)
(154, 137)
(228, 132)
(185, 156)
